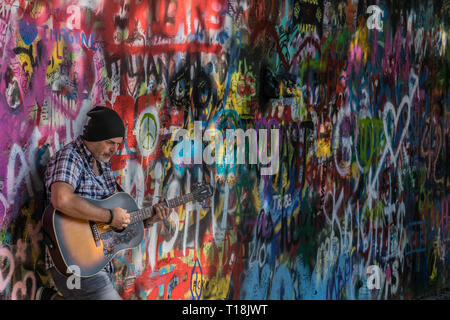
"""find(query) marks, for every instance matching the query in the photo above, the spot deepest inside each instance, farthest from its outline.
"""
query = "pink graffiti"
(20, 251)
(21, 286)
(35, 234)
(5, 256)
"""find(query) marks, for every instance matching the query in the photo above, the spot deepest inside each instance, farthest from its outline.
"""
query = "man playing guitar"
(82, 169)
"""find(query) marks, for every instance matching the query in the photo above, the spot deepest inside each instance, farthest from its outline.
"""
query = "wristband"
(111, 216)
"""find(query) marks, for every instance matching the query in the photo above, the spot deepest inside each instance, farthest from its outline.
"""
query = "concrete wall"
(359, 206)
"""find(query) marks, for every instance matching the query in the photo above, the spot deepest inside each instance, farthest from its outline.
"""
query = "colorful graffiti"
(357, 90)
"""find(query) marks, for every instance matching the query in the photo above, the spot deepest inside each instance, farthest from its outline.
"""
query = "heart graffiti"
(21, 286)
(28, 31)
(5, 255)
(395, 116)
(390, 137)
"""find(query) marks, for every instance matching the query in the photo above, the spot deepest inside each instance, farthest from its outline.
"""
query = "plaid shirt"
(73, 165)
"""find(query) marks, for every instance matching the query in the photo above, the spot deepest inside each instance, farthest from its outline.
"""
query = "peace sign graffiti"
(148, 131)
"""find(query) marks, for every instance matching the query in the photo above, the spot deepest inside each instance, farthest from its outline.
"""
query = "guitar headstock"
(202, 191)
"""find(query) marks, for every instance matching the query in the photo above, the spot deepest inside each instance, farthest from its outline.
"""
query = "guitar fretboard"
(178, 201)
(147, 212)
(140, 215)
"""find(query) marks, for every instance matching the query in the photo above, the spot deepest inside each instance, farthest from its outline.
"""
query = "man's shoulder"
(69, 151)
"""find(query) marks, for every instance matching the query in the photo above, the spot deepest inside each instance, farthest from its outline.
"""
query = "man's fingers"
(162, 212)
(166, 212)
(126, 219)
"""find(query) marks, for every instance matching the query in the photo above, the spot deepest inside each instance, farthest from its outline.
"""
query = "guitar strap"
(47, 240)
(119, 187)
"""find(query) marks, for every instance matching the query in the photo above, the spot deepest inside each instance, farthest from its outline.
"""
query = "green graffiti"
(371, 141)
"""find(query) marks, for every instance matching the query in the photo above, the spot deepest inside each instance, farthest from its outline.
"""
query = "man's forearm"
(77, 207)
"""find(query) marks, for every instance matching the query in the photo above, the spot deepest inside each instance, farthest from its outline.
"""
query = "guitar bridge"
(95, 233)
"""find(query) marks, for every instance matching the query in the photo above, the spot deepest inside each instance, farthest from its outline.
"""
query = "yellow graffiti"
(323, 148)
(242, 90)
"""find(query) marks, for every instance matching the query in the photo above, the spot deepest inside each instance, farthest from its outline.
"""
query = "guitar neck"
(178, 201)
(140, 215)
(147, 212)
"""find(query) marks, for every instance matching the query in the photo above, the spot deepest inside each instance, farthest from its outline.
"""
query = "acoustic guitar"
(89, 245)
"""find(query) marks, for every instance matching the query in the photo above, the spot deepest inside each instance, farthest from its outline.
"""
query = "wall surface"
(358, 92)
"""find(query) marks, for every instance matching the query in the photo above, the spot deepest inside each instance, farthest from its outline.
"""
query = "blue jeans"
(97, 287)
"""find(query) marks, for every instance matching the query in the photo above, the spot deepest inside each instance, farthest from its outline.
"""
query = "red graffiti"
(170, 16)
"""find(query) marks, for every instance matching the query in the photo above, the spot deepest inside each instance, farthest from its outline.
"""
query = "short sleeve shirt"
(73, 165)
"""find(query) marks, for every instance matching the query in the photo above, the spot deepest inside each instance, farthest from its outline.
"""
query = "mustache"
(106, 155)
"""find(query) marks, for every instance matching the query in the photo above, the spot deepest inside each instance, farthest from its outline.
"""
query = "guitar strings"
(191, 193)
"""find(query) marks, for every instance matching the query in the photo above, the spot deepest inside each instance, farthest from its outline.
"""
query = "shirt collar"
(84, 150)
(88, 154)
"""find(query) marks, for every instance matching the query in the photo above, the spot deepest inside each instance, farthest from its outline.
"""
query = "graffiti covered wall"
(356, 90)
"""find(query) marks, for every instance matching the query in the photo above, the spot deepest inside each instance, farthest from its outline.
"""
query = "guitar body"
(86, 245)
(83, 247)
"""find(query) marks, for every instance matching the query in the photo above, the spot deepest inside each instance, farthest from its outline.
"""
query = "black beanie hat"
(104, 124)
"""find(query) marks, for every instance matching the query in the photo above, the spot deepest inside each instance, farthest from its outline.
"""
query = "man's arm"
(65, 200)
